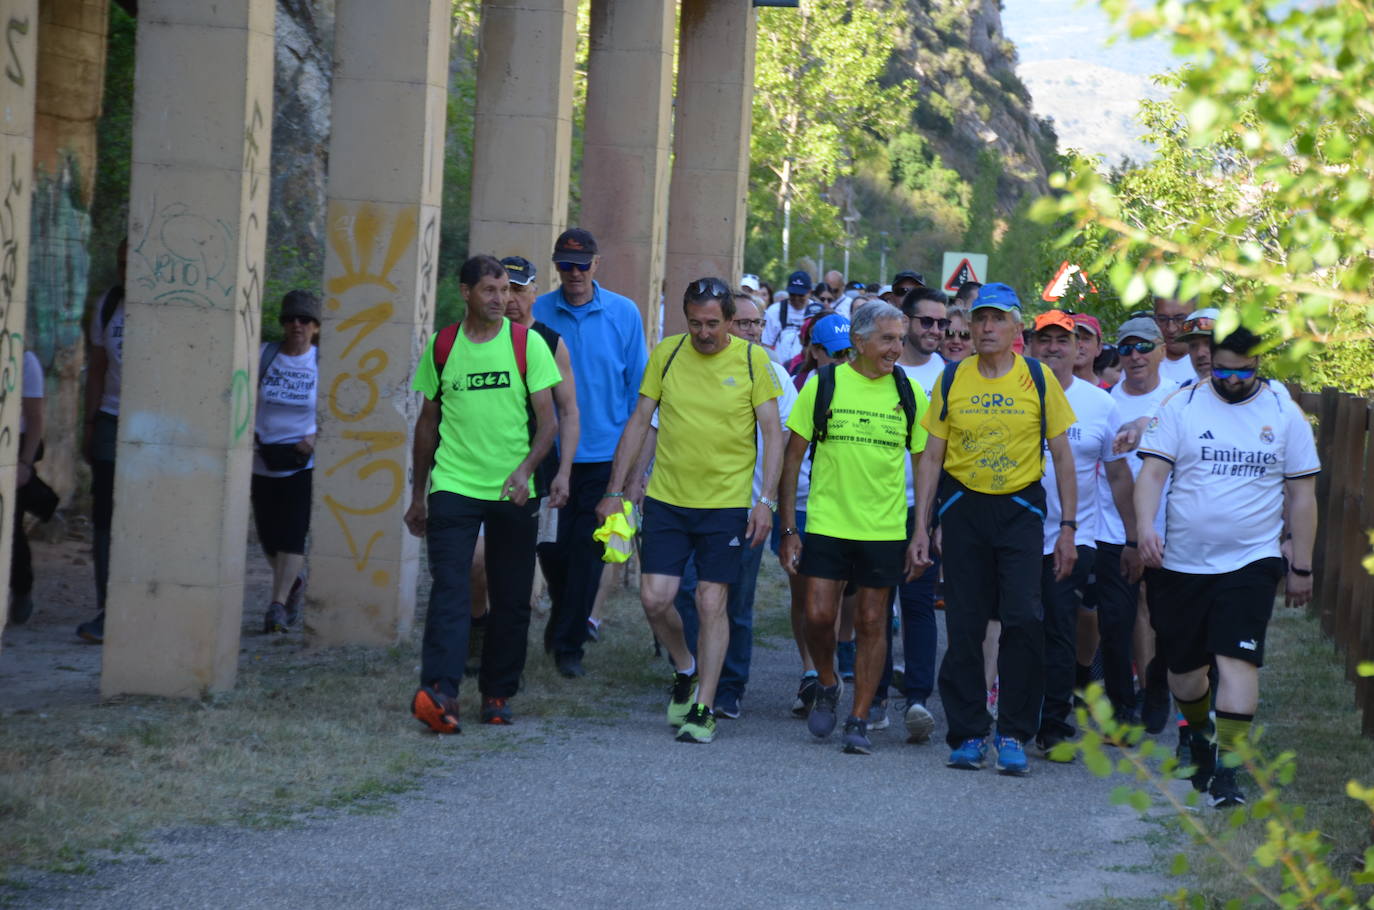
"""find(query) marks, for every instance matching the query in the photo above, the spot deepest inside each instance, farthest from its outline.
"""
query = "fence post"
(1329, 512)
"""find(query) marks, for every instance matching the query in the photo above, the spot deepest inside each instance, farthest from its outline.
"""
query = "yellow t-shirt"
(706, 447)
(858, 477)
(993, 426)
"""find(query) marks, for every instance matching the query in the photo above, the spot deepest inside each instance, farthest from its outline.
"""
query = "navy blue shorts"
(674, 534)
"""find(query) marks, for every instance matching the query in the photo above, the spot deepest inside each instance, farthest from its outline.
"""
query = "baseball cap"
(885, 290)
(999, 296)
(1200, 324)
(832, 332)
(1142, 327)
(1054, 318)
(854, 286)
(799, 282)
(576, 246)
(520, 270)
(750, 282)
(1084, 321)
(909, 276)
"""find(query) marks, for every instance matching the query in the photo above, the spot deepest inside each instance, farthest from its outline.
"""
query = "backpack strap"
(1037, 373)
(749, 359)
(820, 411)
(270, 350)
(680, 342)
(443, 346)
(520, 341)
(907, 396)
(947, 383)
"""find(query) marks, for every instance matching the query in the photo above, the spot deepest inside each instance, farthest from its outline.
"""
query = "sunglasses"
(302, 320)
(1140, 347)
(1200, 324)
(749, 323)
(569, 266)
(962, 336)
(930, 321)
(708, 288)
(1222, 373)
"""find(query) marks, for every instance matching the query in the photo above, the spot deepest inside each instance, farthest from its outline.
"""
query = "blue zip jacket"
(605, 339)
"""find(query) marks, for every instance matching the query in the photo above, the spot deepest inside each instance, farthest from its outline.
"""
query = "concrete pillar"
(522, 130)
(386, 161)
(625, 152)
(202, 137)
(706, 199)
(20, 19)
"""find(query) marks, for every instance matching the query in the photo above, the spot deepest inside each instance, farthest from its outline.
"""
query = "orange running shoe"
(435, 710)
(496, 712)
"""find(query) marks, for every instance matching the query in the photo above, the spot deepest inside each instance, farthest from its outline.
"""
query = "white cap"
(885, 289)
(750, 283)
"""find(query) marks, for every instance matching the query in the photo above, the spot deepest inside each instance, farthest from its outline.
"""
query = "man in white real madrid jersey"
(1236, 449)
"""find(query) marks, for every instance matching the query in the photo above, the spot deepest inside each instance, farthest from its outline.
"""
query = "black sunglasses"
(962, 336)
(287, 320)
(569, 266)
(1141, 347)
(929, 321)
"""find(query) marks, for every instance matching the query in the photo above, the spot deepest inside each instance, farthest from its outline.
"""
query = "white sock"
(690, 670)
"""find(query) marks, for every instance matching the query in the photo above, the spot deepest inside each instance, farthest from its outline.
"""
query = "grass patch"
(301, 730)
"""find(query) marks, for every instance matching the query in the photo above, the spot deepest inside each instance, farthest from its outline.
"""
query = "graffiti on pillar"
(14, 67)
(12, 258)
(186, 257)
(369, 243)
(250, 298)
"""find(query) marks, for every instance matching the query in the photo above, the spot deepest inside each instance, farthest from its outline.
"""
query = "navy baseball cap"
(998, 296)
(520, 270)
(909, 276)
(832, 332)
(576, 246)
(799, 282)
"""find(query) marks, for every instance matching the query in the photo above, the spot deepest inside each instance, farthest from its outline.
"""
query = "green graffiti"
(241, 391)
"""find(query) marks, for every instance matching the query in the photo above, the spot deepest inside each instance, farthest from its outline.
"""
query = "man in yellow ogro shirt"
(710, 394)
(856, 510)
(989, 420)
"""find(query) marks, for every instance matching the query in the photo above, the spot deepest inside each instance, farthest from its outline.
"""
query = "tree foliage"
(1260, 198)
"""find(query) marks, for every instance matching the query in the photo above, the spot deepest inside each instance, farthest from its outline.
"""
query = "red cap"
(1084, 321)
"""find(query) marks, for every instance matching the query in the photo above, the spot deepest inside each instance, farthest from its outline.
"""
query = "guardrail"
(1344, 592)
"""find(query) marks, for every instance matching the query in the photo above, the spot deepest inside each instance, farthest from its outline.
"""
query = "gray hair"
(957, 312)
(865, 319)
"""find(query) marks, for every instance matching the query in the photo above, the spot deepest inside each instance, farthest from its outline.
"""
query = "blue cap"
(998, 296)
(799, 282)
(832, 332)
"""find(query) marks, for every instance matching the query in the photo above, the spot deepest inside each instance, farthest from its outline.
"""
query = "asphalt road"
(614, 813)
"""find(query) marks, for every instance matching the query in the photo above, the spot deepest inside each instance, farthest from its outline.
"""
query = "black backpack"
(825, 395)
(1037, 373)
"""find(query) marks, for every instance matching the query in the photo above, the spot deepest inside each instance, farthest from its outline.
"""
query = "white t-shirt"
(782, 330)
(33, 382)
(926, 376)
(1177, 372)
(785, 402)
(1130, 407)
(110, 337)
(1090, 440)
(286, 403)
(1225, 506)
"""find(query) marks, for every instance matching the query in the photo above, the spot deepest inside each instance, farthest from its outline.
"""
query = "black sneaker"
(275, 619)
(1202, 755)
(1154, 713)
(1224, 792)
(822, 721)
(806, 695)
(93, 630)
(570, 666)
(856, 741)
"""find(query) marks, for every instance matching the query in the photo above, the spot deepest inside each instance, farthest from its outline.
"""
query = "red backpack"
(443, 346)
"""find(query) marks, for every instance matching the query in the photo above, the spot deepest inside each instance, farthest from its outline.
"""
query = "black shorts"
(674, 534)
(281, 511)
(862, 563)
(1197, 616)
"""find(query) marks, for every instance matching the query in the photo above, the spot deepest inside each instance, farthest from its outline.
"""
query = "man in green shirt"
(475, 456)
(856, 514)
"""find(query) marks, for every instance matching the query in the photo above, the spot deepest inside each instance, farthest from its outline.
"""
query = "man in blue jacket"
(605, 336)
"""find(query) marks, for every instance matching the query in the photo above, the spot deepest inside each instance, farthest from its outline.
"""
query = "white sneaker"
(877, 717)
(919, 723)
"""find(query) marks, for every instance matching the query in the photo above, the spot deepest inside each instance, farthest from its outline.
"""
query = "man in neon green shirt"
(856, 512)
(475, 457)
(710, 395)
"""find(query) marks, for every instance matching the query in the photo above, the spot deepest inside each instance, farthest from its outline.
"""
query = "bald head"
(835, 280)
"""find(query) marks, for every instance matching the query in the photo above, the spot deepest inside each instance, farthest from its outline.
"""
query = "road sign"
(960, 267)
(1067, 276)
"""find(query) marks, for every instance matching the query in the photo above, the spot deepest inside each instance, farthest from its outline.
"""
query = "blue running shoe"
(970, 755)
(823, 717)
(1011, 757)
(856, 741)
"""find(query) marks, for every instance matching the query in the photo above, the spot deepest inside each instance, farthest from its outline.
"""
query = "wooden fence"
(1344, 592)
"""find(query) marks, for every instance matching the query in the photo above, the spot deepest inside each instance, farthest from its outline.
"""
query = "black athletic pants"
(992, 549)
(1061, 600)
(1117, 602)
(572, 564)
(452, 536)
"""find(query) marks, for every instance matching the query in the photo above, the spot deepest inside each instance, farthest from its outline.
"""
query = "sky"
(1058, 29)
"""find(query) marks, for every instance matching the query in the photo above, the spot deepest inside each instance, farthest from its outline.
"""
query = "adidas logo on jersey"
(1207, 434)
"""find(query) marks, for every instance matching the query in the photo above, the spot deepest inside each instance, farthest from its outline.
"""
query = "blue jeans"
(919, 637)
(739, 608)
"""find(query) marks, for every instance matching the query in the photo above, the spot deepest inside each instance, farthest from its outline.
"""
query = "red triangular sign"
(963, 272)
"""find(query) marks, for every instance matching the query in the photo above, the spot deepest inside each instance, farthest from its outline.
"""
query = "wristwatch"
(1069, 524)
(1301, 573)
(787, 532)
(769, 504)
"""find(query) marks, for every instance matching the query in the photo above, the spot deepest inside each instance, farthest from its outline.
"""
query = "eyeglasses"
(749, 323)
(962, 336)
(710, 288)
(1223, 373)
(297, 318)
(1140, 347)
(1167, 320)
(930, 321)
(569, 266)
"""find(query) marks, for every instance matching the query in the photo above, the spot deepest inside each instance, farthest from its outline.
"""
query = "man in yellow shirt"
(710, 395)
(990, 419)
(856, 510)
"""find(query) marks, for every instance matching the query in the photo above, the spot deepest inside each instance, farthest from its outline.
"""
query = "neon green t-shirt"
(858, 477)
(483, 425)
(993, 426)
(706, 446)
